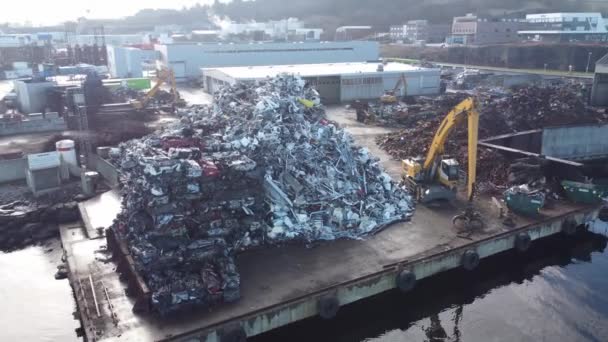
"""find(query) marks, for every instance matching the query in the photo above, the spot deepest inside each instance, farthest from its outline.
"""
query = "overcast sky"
(44, 12)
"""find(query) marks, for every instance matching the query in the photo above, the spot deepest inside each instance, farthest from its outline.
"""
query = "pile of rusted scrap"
(536, 107)
(523, 109)
(414, 109)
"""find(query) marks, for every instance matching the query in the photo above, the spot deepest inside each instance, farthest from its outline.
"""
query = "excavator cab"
(429, 189)
(448, 172)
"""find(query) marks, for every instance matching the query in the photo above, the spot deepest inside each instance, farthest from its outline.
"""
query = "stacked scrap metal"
(259, 168)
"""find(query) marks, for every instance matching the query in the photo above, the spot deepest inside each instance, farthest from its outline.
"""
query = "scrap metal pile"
(261, 167)
(523, 109)
(123, 94)
(416, 109)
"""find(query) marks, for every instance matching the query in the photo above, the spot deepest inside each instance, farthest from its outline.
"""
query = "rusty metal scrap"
(414, 109)
(520, 110)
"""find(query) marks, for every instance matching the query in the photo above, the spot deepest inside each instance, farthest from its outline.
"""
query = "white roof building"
(336, 82)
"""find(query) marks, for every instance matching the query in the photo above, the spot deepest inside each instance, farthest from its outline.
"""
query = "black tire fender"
(470, 260)
(522, 242)
(234, 333)
(406, 280)
(328, 307)
(603, 214)
(569, 227)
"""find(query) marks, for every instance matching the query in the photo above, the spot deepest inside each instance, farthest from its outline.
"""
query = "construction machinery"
(164, 76)
(436, 177)
(390, 96)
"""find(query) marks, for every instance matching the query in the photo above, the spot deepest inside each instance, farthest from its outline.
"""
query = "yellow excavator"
(390, 96)
(164, 76)
(436, 177)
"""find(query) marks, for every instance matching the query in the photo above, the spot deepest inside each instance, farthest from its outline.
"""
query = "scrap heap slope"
(260, 167)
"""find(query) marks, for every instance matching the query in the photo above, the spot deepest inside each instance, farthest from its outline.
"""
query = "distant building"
(336, 82)
(110, 39)
(127, 62)
(205, 36)
(285, 29)
(437, 33)
(397, 32)
(565, 27)
(187, 59)
(353, 32)
(471, 29)
(599, 94)
(304, 34)
(416, 30)
(169, 29)
(16, 40)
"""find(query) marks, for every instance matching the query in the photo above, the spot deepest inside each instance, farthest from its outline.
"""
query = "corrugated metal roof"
(312, 70)
(603, 60)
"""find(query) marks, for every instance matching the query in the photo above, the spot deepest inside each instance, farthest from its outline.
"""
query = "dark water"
(557, 291)
(35, 306)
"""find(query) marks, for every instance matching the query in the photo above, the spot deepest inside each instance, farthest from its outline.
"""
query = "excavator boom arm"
(164, 76)
(472, 151)
(401, 83)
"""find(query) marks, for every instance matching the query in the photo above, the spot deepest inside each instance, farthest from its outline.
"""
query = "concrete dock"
(286, 284)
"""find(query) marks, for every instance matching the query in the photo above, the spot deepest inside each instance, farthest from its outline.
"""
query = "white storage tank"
(67, 151)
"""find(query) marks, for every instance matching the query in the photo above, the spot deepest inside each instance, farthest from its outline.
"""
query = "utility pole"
(588, 62)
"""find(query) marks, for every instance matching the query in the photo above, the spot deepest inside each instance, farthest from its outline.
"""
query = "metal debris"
(523, 109)
(261, 167)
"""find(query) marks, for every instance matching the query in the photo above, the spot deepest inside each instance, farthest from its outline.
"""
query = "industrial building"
(471, 29)
(127, 62)
(565, 27)
(285, 29)
(336, 82)
(599, 94)
(186, 60)
(346, 33)
(110, 39)
(420, 30)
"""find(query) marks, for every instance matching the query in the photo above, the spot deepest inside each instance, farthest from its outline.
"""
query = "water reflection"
(35, 306)
(555, 291)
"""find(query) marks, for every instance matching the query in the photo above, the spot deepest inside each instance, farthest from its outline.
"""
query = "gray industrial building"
(471, 29)
(32, 96)
(126, 62)
(336, 82)
(186, 60)
(599, 94)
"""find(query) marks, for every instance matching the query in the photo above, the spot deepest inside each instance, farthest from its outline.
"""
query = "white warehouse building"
(336, 82)
(126, 62)
(186, 60)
